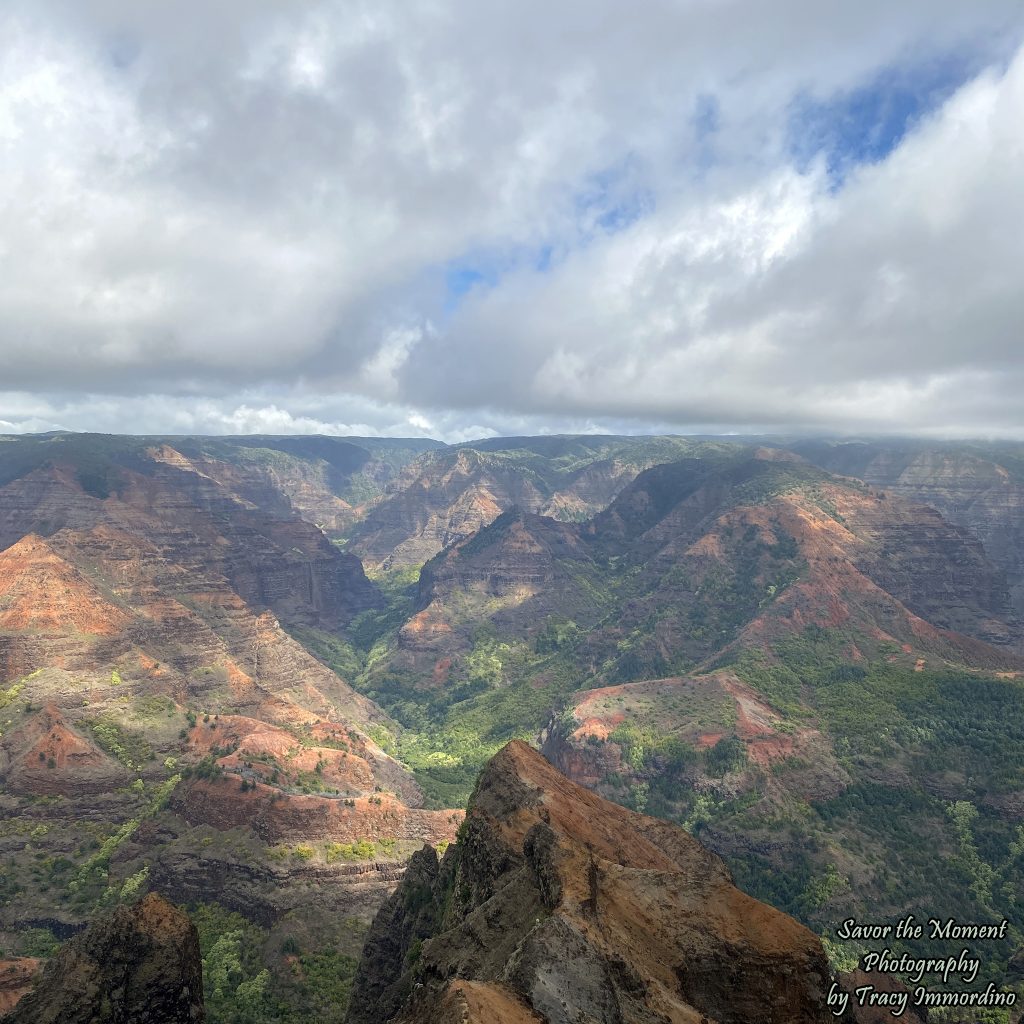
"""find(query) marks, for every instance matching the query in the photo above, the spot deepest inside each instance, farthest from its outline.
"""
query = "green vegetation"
(917, 851)
(39, 942)
(244, 983)
(507, 686)
(951, 722)
(153, 709)
(727, 755)
(331, 650)
(99, 460)
(11, 694)
(234, 978)
(330, 852)
(94, 871)
(133, 885)
(362, 849)
(880, 849)
(449, 733)
(130, 748)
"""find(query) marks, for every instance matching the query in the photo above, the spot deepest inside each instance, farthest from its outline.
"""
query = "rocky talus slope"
(139, 964)
(558, 906)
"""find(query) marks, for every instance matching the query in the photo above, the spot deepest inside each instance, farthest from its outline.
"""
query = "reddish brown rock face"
(46, 756)
(880, 566)
(16, 980)
(175, 587)
(274, 818)
(976, 486)
(557, 905)
(447, 496)
(866, 1014)
(174, 524)
(40, 592)
(720, 558)
(144, 628)
(440, 500)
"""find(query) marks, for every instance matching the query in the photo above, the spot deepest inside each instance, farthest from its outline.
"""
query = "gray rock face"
(383, 981)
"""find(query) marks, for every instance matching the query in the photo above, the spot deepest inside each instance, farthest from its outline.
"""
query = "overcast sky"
(463, 218)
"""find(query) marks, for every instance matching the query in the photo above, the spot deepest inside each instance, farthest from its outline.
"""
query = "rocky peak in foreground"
(558, 906)
(140, 964)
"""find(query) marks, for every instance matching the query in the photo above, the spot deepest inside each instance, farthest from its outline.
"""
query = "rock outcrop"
(139, 964)
(881, 1014)
(45, 756)
(558, 906)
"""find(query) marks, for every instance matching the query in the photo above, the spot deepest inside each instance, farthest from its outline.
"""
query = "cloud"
(428, 216)
(890, 304)
(266, 412)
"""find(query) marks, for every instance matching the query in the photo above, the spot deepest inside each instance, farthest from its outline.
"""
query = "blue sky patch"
(483, 269)
(864, 125)
(461, 278)
(707, 116)
(612, 199)
(608, 202)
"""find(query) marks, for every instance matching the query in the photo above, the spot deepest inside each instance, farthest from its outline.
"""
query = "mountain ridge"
(559, 906)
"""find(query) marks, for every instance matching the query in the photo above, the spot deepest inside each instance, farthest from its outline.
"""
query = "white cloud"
(894, 303)
(244, 212)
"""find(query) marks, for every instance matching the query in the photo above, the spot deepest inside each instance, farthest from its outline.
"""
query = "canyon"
(256, 675)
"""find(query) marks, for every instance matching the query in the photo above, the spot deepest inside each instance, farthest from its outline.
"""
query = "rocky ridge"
(140, 964)
(446, 496)
(558, 906)
(696, 560)
(974, 485)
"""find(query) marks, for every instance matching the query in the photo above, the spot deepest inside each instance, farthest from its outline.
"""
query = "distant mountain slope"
(324, 479)
(701, 556)
(447, 495)
(327, 480)
(977, 485)
(158, 724)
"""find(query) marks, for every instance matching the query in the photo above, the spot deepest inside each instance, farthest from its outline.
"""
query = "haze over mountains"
(256, 673)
